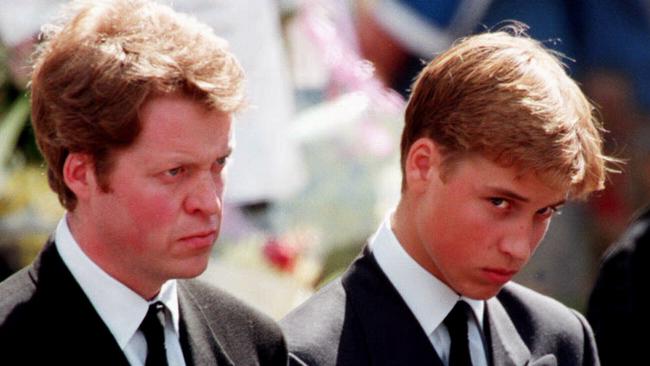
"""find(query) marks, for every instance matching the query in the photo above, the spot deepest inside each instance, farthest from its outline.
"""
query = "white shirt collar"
(121, 309)
(428, 298)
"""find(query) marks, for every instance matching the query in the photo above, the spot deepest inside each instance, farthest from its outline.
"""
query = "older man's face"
(162, 212)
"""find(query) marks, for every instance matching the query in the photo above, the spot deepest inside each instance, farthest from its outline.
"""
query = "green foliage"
(12, 124)
(3, 73)
(15, 134)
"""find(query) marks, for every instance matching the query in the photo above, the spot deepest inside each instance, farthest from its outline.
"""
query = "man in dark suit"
(496, 138)
(619, 302)
(131, 108)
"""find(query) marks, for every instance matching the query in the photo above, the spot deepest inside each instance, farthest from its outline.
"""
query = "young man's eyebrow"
(508, 194)
(517, 197)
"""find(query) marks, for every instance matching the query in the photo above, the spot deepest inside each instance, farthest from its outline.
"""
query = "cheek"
(540, 232)
(153, 209)
(473, 233)
(472, 222)
(461, 236)
(459, 218)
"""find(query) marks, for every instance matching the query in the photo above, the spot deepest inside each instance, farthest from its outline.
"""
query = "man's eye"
(222, 161)
(174, 172)
(500, 202)
(549, 211)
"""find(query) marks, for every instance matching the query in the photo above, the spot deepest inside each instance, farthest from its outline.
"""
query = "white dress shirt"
(428, 298)
(121, 309)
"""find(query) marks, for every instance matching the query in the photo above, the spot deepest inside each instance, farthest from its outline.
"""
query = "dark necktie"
(456, 323)
(153, 327)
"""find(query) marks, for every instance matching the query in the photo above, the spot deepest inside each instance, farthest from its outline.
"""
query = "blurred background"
(316, 167)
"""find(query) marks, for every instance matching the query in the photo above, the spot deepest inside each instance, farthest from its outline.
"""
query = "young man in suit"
(131, 107)
(496, 138)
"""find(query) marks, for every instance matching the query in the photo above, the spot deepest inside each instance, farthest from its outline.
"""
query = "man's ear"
(423, 163)
(79, 174)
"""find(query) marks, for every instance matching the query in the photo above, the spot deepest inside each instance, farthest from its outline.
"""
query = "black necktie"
(456, 323)
(153, 327)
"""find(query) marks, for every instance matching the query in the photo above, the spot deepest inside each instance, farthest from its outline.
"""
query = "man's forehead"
(544, 190)
(516, 182)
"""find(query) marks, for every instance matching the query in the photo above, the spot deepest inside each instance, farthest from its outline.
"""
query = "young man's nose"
(518, 242)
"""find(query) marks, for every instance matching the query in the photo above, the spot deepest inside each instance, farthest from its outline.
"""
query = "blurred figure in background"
(615, 36)
(398, 35)
(619, 303)
(19, 26)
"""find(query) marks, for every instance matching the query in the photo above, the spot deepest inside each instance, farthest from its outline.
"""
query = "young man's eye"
(549, 211)
(500, 202)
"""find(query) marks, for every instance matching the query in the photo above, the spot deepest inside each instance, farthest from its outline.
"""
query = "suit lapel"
(201, 345)
(63, 308)
(507, 347)
(546, 360)
(393, 334)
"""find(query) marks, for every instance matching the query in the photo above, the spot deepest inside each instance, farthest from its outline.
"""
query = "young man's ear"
(79, 174)
(422, 164)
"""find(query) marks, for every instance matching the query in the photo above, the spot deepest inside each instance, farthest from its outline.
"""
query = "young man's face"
(162, 213)
(479, 227)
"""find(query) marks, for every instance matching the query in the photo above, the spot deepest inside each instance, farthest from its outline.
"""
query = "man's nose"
(205, 196)
(518, 242)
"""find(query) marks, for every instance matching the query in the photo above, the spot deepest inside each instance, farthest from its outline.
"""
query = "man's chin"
(482, 293)
(192, 270)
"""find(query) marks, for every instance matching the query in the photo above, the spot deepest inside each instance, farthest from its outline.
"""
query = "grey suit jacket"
(45, 318)
(360, 319)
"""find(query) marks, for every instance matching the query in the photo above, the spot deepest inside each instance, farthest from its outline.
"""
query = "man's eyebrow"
(185, 158)
(517, 197)
(508, 194)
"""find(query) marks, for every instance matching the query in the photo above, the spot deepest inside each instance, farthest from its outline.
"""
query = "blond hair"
(503, 95)
(101, 62)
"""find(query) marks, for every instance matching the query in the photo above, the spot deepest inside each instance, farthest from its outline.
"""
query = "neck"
(405, 228)
(86, 236)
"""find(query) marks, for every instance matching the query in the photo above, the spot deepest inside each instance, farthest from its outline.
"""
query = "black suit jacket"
(620, 300)
(360, 319)
(45, 318)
